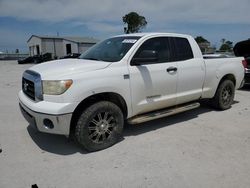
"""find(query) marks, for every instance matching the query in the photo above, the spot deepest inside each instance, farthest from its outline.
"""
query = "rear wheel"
(224, 95)
(99, 126)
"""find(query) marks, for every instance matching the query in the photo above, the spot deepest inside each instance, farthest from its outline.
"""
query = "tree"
(223, 41)
(135, 22)
(226, 46)
(17, 51)
(200, 39)
(203, 43)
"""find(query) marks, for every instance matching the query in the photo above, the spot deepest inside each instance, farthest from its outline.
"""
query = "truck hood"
(242, 48)
(59, 68)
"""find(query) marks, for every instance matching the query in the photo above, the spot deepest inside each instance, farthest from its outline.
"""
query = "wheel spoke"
(105, 116)
(111, 125)
(104, 136)
(95, 122)
(98, 137)
(99, 116)
(92, 128)
(108, 131)
(93, 135)
(110, 119)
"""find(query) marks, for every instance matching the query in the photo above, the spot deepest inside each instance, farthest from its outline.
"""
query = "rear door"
(191, 71)
(153, 84)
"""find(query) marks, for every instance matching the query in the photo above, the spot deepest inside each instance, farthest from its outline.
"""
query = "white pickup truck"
(135, 77)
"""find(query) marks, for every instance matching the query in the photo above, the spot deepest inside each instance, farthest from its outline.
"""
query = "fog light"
(48, 124)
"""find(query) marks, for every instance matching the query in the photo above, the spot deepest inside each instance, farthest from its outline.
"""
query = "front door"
(153, 82)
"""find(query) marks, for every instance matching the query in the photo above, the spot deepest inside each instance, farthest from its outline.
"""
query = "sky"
(212, 19)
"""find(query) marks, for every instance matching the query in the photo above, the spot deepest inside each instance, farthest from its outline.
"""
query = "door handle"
(172, 69)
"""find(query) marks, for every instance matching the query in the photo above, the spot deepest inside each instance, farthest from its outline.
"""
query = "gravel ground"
(198, 148)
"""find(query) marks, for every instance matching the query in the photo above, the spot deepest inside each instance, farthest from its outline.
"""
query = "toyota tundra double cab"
(133, 78)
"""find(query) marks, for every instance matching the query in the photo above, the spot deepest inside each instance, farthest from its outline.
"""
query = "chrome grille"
(32, 85)
(28, 88)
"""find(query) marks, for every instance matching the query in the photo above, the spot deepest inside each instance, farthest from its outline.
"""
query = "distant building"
(59, 46)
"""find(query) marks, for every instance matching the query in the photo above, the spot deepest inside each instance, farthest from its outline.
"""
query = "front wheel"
(224, 95)
(99, 126)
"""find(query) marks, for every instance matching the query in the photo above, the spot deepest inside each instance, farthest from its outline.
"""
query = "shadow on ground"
(246, 88)
(133, 130)
(64, 146)
(52, 143)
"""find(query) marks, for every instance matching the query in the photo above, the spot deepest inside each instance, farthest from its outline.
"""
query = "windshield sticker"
(129, 41)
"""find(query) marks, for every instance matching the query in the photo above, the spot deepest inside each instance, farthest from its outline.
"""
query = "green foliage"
(226, 46)
(135, 22)
(203, 43)
(200, 39)
(223, 41)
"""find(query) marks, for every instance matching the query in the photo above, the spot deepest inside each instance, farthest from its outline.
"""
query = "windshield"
(111, 50)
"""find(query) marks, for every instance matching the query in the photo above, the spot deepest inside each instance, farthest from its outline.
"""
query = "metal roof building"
(59, 46)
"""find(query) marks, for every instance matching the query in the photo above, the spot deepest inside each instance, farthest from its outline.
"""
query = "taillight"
(244, 63)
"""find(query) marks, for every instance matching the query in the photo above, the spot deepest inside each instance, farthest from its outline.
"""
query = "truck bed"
(216, 67)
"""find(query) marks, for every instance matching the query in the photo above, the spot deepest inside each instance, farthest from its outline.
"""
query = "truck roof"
(155, 34)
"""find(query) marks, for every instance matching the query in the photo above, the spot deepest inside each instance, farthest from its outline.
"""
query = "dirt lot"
(199, 148)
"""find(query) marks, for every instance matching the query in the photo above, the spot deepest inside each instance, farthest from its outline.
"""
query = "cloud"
(99, 26)
(155, 11)
(17, 40)
(104, 18)
(104, 27)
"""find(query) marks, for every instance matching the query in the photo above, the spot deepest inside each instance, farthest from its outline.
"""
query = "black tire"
(99, 126)
(224, 95)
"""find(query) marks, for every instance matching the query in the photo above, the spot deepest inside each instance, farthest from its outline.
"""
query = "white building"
(59, 46)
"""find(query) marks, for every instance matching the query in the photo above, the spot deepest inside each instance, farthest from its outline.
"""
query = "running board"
(162, 113)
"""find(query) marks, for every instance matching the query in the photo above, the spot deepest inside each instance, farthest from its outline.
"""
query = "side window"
(158, 47)
(183, 50)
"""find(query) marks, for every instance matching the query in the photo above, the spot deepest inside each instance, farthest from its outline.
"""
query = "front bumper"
(55, 124)
(56, 119)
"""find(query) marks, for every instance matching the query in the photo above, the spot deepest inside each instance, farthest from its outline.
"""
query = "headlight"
(56, 87)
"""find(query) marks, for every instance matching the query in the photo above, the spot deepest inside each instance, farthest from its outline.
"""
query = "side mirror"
(145, 57)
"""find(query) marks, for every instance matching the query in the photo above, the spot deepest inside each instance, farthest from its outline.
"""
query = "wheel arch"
(228, 77)
(225, 77)
(106, 96)
(218, 101)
